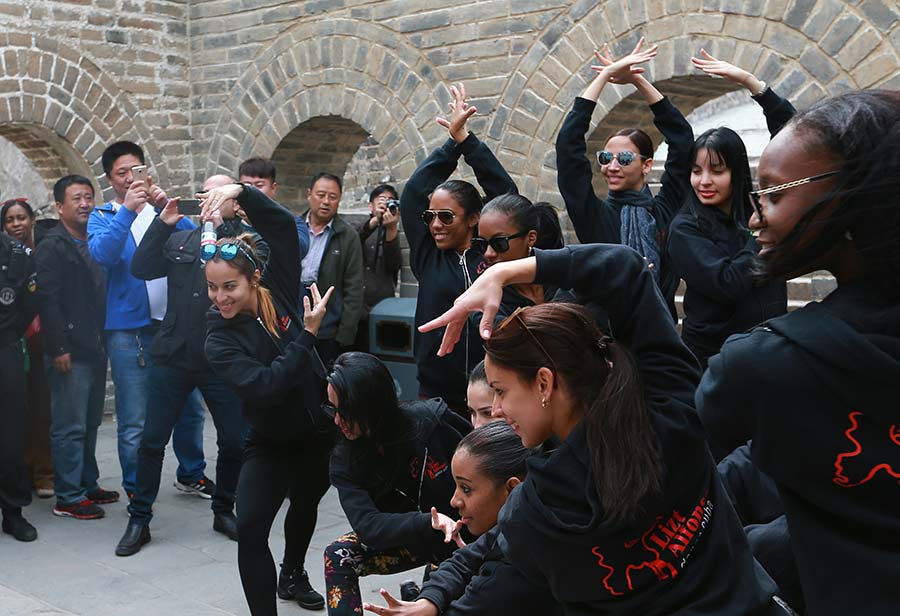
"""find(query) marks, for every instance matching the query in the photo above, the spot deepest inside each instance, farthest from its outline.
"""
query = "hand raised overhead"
(460, 112)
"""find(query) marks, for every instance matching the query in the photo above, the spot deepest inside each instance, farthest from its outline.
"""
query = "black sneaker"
(204, 488)
(84, 510)
(295, 585)
(103, 497)
(409, 591)
(286, 584)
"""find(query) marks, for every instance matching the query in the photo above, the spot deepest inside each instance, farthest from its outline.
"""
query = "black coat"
(72, 316)
(18, 300)
(388, 498)
(443, 274)
(687, 554)
(173, 253)
(596, 220)
(280, 380)
(382, 260)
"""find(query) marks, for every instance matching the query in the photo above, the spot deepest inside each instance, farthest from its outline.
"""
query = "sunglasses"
(329, 409)
(756, 194)
(445, 216)
(226, 251)
(516, 317)
(500, 243)
(625, 157)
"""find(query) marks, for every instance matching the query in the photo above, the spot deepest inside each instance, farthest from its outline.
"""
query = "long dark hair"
(527, 216)
(724, 146)
(498, 451)
(367, 396)
(603, 375)
(859, 131)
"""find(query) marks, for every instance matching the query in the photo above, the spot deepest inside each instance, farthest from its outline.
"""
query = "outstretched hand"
(625, 69)
(314, 310)
(421, 607)
(719, 68)
(446, 525)
(460, 112)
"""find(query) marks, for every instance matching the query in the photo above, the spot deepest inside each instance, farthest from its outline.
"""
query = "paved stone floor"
(186, 570)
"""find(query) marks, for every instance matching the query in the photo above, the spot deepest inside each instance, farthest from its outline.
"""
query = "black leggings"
(271, 471)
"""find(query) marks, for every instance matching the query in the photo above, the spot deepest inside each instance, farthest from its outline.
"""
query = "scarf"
(638, 226)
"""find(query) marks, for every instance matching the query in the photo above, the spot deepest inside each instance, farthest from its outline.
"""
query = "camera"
(392, 205)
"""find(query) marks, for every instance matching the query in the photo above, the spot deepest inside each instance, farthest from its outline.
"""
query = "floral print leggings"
(347, 560)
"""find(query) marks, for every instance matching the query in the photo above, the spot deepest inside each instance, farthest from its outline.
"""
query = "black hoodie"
(281, 380)
(817, 391)
(388, 498)
(477, 580)
(715, 255)
(443, 274)
(688, 553)
(597, 220)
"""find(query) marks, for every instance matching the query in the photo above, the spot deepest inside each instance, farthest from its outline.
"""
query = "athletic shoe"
(204, 488)
(294, 584)
(44, 491)
(103, 497)
(85, 510)
(409, 591)
(17, 526)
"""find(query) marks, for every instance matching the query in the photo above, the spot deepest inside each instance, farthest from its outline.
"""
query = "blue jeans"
(169, 388)
(127, 350)
(76, 410)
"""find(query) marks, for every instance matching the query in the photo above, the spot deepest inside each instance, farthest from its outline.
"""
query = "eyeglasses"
(226, 251)
(500, 243)
(625, 157)
(756, 194)
(329, 409)
(516, 317)
(445, 216)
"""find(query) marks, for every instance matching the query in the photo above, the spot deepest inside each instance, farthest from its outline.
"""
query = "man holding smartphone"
(380, 237)
(134, 310)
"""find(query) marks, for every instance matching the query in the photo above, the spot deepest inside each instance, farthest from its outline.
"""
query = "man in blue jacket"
(134, 310)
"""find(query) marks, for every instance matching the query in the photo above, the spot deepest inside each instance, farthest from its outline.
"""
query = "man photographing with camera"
(381, 246)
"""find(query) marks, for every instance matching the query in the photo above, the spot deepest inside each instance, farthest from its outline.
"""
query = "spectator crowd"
(572, 449)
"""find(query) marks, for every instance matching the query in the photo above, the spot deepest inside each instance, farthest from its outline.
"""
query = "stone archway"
(56, 102)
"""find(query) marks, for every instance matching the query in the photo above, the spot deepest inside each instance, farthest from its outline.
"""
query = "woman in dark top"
(257, 344)
(489, 462)
(623, 512)
(391, 467)
(816, 389)
(710, 246)
(440, 217)
(629, 214)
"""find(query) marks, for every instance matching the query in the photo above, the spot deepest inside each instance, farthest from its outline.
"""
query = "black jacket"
(72, 316)
(714, 256)
(382, 261)
(688, 553)
(167, 251)
(443, 275)
(18, 298)
(281, 381)
(816, 390)
(595, 220)
(388, 498)
(477, 580)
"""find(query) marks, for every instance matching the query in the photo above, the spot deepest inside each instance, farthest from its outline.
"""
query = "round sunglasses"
(625, 157)
(500, 243)
(226, 251)
(445, 216)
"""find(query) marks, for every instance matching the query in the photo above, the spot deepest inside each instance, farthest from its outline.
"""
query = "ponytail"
(246, 261)
(267, 311)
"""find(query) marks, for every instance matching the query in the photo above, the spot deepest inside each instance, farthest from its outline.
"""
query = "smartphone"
(139, 173)
(189, 207)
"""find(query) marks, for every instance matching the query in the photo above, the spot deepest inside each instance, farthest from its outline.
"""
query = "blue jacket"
(303, 234)
(112, 246)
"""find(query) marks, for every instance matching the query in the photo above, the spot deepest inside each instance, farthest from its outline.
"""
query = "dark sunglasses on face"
(329, 409)
(756, 194)
(226, 251)
(625, 157)
(500, 243)
(445, 216)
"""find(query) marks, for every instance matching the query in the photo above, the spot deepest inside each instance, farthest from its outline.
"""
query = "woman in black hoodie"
(440, 217)
(622, 511)
(257, 344)
(710, 246)
(629, 214)
(391, 467)
(816, 389)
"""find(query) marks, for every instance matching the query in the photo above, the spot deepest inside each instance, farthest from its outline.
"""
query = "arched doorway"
(331, 144)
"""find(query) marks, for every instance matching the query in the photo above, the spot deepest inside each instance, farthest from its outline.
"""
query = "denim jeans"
(129, 358)
(76, 404)
(169, 389)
